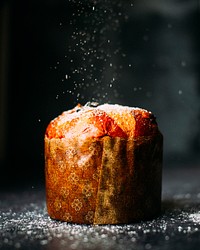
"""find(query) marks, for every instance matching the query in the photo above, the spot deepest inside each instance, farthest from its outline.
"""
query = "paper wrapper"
(103, 180)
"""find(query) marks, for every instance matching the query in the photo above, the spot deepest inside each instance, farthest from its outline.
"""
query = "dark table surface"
(25, 224)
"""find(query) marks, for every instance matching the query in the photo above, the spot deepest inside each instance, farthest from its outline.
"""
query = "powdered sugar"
(118, 108)
(26, 225)
(195, 217)
(78, 111)
(95, 120)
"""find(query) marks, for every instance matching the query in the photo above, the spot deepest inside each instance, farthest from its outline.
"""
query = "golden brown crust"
(111, 120)
(103, 179)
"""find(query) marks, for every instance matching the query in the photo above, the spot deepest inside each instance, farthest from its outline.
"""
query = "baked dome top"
(95, 121)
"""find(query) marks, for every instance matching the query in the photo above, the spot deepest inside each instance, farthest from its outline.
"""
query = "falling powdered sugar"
(94, 53)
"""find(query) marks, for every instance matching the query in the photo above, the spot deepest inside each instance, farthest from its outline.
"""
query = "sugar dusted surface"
(122, 116)
(25, 224)
(73, 122)
(74, 113)
(119, 108)
(77, 112)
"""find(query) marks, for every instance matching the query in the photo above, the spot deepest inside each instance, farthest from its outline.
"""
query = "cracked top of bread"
(95, 121)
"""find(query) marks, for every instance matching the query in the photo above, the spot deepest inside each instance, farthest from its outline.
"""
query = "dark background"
(54, 54)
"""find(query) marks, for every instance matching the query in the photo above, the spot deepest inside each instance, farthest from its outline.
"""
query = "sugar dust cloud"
(94, 52)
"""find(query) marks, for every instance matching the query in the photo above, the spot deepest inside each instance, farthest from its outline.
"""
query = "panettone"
(103, 165)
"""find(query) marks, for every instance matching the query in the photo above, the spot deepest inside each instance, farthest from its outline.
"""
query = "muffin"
(103, 165)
